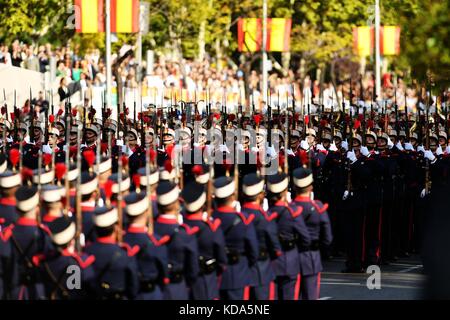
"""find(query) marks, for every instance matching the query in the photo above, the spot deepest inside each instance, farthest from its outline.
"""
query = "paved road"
(401, 280)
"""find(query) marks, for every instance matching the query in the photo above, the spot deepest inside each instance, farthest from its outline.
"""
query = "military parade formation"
(178, 202)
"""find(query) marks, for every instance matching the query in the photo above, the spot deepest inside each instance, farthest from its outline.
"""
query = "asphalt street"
(400, 280)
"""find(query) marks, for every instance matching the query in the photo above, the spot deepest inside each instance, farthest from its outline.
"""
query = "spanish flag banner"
(90, 16)
(390, 40)
(250, 34)
(364, 40)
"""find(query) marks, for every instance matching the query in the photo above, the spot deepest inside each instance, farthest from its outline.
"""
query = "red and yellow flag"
(390, 40)
(90, 18)
(364, 40)
(250, 34)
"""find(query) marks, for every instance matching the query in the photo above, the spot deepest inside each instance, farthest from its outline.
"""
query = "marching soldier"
(240, 245)
(316, 219)
(115, 267)
(152, 259)
(267, 237)
(292, 233)
(9, 183)
(211, 243)
(30, 241)
(56, 266)
(182, 244)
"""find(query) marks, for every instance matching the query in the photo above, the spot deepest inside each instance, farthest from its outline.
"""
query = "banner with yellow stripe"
(250, 34)
(364, 40)
(124, 16)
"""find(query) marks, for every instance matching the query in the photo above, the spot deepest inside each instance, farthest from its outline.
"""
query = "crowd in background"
(188, 80)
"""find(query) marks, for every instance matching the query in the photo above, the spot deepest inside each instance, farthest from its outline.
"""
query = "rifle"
(148, 190)
(119, 193)
(79, 224)
(31, 120)
(427, 146)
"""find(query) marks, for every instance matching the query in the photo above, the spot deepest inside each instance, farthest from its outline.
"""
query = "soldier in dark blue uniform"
(57, 266)
(356, 201)
(9, 182)
(152, 179)
(116, 272)
(30, 241)
(5, 258)
(152, 259)
(316, 220)
(211, 243)
(267, 236)
(182, 244)
(51, 203)
(89, 189)
(240, 245)
(292, 233)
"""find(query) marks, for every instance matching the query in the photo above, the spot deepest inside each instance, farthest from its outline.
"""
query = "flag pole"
(108, 56)
(377, 51)
(264, 53)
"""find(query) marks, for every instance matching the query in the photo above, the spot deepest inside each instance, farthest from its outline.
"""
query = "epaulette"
(320, 207)
(295, 213)
(131, 251)
(83, 263)
(190, 231)
(272, 216)
(163, 240)
(248, 220)
(7, 233)
(214, 225)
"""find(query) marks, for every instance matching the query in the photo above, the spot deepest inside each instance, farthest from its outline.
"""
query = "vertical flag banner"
(124, 16)
(279, 32)
(89, 16)
(250, 34)
(390, 40)
(364, 40)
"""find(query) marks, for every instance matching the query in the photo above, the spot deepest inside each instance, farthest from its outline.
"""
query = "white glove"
(240, 147)
(254, 149)
(390, 144)
(265, 205)
(365, 152)
(304, 145)
(119, 142)
(333, 147)
(399, 146)
(344, 145)
(351, 156)
(420, 149)
(290, 152)
(288, 197)
(46, 149)
(439, 151)
(423, 193)
(429, 155)
(320, 147)
(409, 146)
(271, 152)
(223, 148)
(236, 205)
(447, 150)
(346, 195)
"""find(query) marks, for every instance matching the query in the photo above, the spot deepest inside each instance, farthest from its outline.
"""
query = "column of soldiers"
(178, 204)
